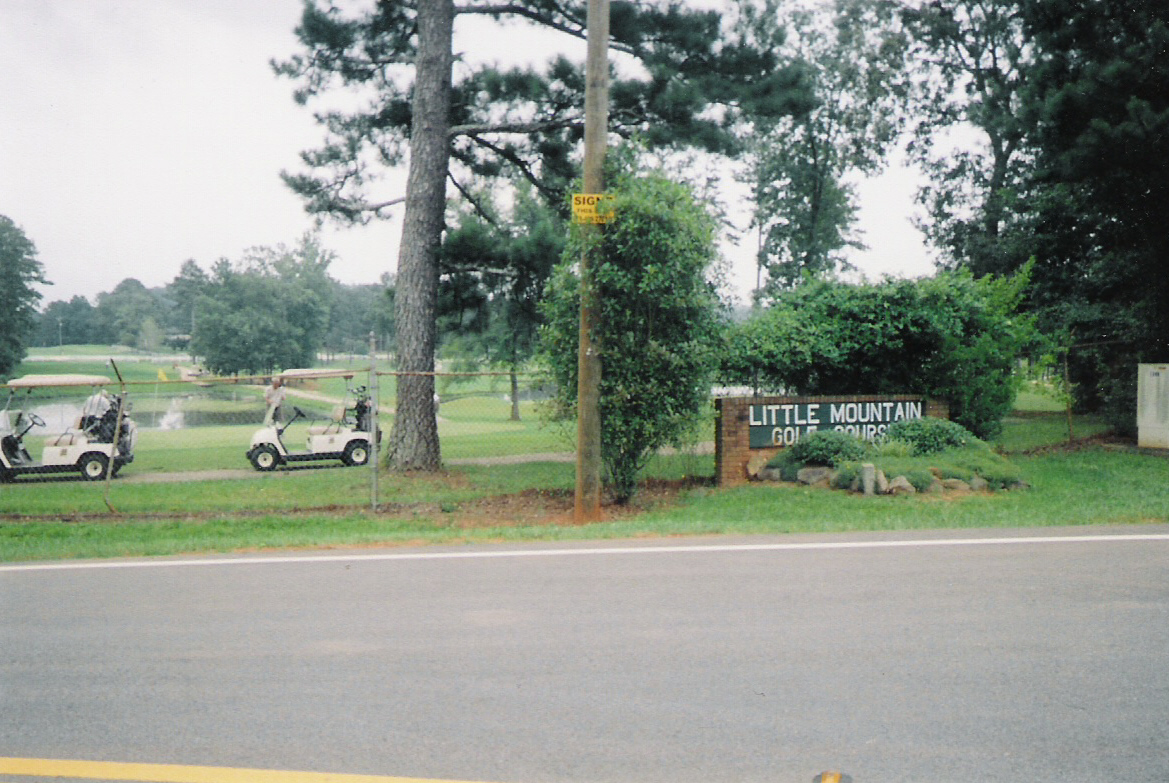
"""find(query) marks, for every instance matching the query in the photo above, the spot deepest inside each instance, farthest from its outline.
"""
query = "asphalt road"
(912, 657)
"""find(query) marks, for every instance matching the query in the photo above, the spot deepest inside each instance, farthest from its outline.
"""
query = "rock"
(814, 475)
(882, 483)
(936, 487)
(868, 477)
(1019, 485)
(978, 484)
(955, 485)
(770, 474)
(855, 484)
(901, 486)
(756, 464)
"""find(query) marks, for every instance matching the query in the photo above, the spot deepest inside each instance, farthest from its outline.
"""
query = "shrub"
(827, 447)
(658, 323)
(929, 435)
(921, 479)
(846, 474)
(949, 337)
(893, 448)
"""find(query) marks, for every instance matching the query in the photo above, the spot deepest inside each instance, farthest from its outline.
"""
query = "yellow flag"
(161, 374)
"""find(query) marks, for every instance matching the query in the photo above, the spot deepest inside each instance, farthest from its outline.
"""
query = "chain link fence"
(180, 424)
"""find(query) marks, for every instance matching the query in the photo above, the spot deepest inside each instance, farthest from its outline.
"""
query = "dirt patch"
(538, 507)
(1105, 440)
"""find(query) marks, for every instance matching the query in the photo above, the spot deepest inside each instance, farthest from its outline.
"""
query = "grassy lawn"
(329, 506)
(1093, 486)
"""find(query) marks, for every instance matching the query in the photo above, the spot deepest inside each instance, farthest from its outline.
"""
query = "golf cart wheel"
(264, 457)
(93, 466)
(356, 453)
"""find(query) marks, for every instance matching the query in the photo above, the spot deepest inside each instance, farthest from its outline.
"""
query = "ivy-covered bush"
(826, 447)
(949, 337)
(929, 435)
(658, 322)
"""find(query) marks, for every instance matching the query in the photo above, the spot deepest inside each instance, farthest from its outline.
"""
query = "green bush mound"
(929, 449)
(929, 435)
(827, 447)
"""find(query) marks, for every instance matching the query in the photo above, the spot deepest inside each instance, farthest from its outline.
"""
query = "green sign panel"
(784, 424)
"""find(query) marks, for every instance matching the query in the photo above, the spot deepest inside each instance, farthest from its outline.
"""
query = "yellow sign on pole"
(592, 207)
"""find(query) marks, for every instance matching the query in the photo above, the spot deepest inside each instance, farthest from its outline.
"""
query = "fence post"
(374, 446)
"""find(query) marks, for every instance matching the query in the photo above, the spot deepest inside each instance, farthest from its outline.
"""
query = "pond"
(204, 409)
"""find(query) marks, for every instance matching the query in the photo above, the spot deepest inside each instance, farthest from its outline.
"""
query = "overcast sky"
(137, 134)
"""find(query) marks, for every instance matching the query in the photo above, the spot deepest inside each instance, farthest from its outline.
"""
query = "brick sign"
(782, 424)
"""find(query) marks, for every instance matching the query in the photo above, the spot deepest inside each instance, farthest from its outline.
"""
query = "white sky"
(137, 134)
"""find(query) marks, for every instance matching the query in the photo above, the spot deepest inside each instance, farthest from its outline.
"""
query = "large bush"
(827, 447)
(928, 435)
(658, 323)
(949, 337)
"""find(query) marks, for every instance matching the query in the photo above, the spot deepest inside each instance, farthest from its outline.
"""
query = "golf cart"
(344, 436)
(102, 439)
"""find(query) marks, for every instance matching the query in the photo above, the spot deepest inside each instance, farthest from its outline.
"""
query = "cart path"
(244, 473)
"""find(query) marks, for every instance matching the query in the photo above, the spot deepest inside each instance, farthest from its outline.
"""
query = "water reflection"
(164, 413)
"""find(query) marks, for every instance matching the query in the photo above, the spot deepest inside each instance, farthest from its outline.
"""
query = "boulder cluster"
(872, 481)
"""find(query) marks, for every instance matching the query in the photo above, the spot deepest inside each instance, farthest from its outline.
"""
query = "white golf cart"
(102, 439)
(343, 436)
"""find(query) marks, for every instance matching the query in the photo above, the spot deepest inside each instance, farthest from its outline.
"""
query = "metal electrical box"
(1153, 406)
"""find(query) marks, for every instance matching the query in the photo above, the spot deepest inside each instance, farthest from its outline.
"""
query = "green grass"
(1080, 488)
(330, 506)
(1031, 431)
(1093, 486)
(1038, 397)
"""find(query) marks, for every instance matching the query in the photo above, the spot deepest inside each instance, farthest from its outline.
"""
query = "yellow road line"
(179, 773)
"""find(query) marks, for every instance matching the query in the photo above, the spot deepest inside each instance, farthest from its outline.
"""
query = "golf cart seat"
(67, 438)
(334, 425)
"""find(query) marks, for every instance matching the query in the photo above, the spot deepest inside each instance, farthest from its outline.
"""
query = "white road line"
(86, 565)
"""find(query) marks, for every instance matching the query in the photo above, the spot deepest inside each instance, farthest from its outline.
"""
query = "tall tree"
(19, 272)
(1098, 116)
(270, 311)
(67, 323)
(121, 313)
(184, 292)
(358, 310)
(693, 85)
(805, 207)
(972, 58)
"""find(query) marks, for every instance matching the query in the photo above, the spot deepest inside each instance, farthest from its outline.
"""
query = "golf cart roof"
(41, 381)
(312, 373)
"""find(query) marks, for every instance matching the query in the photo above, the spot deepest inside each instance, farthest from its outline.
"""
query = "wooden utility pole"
(588, 389)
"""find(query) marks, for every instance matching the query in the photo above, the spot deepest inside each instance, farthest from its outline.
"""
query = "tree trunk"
(414, 438)
(515, 394)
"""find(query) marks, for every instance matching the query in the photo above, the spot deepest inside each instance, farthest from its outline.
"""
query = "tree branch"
(514, 127)
(376, 208)
(472, 200)
(516, 161)
(527, 13)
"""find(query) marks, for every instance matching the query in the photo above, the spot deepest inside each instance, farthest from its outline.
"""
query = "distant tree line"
(275, 308)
